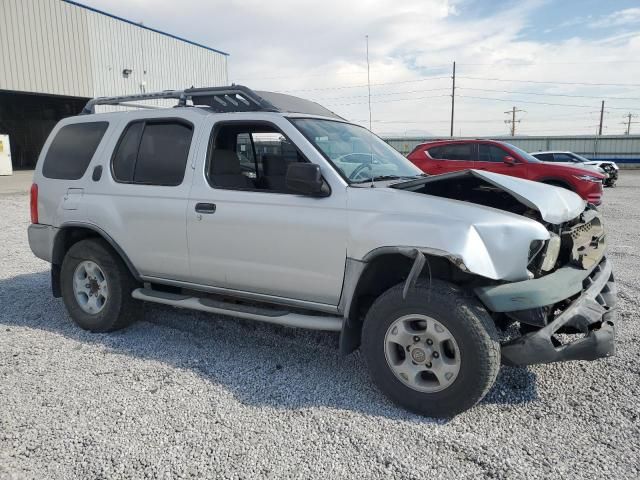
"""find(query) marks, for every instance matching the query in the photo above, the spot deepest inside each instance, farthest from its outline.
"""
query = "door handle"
(205, 207)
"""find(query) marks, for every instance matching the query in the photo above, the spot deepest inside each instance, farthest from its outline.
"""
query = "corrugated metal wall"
(44, 48)
(55, 47)
(157, 62)
(622, 148)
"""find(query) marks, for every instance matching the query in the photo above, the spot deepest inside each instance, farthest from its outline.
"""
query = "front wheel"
(435, 353)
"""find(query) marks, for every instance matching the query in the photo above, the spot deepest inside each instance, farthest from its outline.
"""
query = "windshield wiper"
(390, 177)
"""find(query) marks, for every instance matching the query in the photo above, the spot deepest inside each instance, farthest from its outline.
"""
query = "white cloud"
(316, 49)
(628, 16)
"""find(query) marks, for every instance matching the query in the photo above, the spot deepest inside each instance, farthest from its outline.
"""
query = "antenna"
(368, 79)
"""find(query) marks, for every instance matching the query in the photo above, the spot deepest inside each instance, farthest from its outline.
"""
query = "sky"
(554, 60)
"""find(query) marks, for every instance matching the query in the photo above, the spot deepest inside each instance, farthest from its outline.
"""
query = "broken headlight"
(588, 178)
(551, 253)
(534, 249)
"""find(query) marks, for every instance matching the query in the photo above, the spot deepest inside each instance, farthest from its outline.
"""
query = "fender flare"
(58, 245)
(354, 269)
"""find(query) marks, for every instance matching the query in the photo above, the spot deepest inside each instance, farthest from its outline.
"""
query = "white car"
(269, 207)
(608, 168)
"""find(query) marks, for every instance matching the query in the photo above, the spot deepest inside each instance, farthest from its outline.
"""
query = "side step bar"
(279, 317)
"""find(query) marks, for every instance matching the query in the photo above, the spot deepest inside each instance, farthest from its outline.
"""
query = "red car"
(445, 156)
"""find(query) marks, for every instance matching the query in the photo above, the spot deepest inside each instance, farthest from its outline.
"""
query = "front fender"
(481, 240)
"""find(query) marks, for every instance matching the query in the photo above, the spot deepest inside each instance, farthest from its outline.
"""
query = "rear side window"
(435, 152)
(153, 153)
(452, 152)
(72, 149)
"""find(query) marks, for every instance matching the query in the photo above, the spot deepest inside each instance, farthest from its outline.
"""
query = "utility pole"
(601, 118)
(453, 95)
(368, 80)
(628, 123)
(513, 120)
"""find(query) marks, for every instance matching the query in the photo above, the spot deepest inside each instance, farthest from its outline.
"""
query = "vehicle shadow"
(260, 364)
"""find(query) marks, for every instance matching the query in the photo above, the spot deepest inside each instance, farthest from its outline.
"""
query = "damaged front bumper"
(592, 314)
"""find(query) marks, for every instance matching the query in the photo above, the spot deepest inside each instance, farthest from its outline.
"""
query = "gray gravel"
(183, 394)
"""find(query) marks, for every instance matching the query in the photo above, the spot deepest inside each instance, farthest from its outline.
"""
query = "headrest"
(274, 165)
(225, 162)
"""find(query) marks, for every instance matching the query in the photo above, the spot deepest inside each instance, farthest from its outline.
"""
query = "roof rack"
(234, 98)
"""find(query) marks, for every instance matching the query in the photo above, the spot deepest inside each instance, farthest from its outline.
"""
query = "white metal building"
(56, 54)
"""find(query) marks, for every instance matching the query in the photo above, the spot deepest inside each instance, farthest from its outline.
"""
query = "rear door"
(452, 157)
(141, 198)
(490, 157)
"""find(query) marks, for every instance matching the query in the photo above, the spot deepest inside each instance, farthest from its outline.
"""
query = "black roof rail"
(234, 98)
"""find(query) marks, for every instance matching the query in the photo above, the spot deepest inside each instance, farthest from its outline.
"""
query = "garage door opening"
(29, 118)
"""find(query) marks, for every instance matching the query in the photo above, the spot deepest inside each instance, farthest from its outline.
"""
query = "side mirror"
(509, 160)
(305, 178)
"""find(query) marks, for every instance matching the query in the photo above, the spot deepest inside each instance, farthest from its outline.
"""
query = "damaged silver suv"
(268, 207)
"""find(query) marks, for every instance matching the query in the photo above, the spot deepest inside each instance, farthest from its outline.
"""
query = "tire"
(476, 352)
(110, 306)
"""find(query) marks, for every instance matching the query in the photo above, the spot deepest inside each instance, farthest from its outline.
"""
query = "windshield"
(526, 155)
(357, 153)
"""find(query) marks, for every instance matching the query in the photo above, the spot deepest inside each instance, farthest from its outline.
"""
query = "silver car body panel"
(485, 241)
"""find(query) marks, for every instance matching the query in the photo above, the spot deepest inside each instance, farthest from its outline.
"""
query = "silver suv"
(269, 207)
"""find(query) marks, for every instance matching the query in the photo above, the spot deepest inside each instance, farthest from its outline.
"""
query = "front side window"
(153, 152)
(563, 157)
(250, 156)
(545, 157)
(490, 153)
(72, 149)
(355, 152)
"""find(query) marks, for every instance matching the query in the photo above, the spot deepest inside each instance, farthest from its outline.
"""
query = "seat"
(226, 172)
(275, 173)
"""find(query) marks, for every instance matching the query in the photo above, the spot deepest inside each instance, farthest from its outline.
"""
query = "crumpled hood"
(555, 204)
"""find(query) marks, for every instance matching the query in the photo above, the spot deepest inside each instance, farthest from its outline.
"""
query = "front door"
(248, 232)
(491, 158)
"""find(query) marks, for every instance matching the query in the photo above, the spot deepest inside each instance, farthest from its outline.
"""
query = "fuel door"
(72, 198)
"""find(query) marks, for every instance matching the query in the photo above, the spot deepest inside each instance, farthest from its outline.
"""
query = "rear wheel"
(435, 353)
(96, 287)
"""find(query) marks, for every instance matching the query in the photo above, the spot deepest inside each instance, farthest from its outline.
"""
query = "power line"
(547, 94)
(347, 97)
(526, 64)
(554, 82)
(540, 103)
(513, 120)
(424, 79)
(629, 122)
(387, 101)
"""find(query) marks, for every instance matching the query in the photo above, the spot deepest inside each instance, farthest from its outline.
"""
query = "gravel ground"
(183, 394)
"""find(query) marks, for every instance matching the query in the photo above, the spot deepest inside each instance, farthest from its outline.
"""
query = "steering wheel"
(358, 170)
